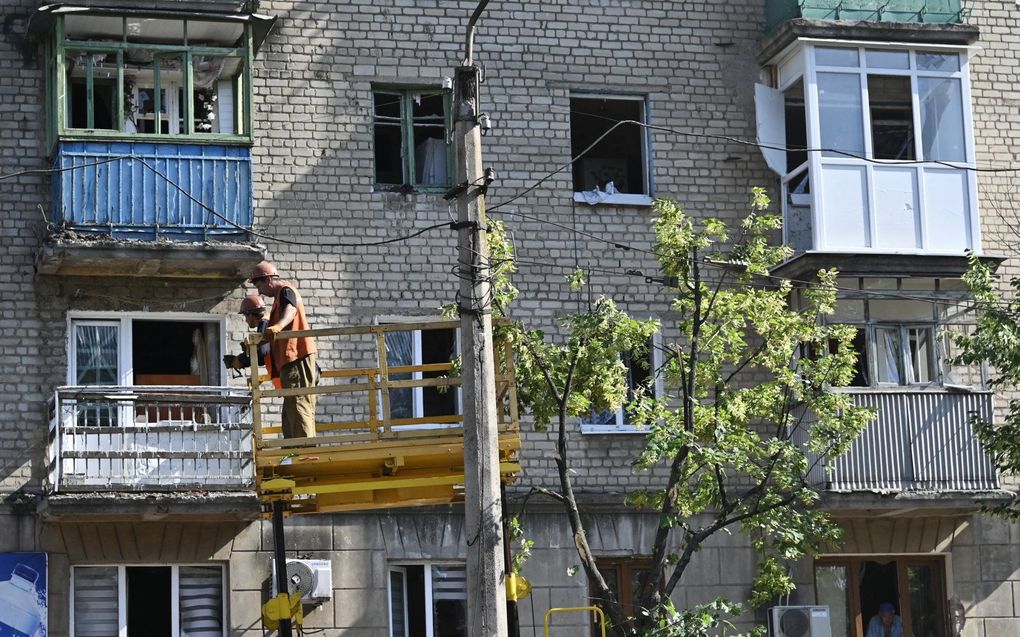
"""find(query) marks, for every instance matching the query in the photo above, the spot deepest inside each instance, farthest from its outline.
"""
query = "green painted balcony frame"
(56, 45)
(920, 11)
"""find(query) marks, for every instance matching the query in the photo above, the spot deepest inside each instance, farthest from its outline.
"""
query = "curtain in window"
(96, 612)
(96, 354)
(889, 356)
(201, 601)
(430, 159)
(399, 352)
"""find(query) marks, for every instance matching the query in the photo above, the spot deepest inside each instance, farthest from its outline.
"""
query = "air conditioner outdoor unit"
(312, 578)
(800, 621)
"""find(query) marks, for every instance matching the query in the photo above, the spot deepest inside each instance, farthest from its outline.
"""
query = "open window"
(139, 350)
(157, 601)
(642, 376)
(411, 129)
(891, 129)
(150, 76)
(903, 341)
(427, 600)
(615, 167)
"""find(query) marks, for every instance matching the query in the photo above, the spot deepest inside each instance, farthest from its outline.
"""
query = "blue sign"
(22, 595)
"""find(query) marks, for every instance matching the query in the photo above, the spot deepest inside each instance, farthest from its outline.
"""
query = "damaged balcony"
(149, 129)
(150, 438)
(150, 209)
(921, 446)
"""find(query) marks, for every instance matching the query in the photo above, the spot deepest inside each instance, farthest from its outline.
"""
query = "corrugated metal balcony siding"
(920, 441)
(126, 197)
(930, 11)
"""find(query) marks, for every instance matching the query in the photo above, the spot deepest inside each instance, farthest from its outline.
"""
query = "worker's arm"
(286, 318)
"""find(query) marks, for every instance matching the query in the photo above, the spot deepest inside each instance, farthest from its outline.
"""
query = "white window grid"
(621, 425)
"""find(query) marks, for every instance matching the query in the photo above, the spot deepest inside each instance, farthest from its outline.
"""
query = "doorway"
(855, 587)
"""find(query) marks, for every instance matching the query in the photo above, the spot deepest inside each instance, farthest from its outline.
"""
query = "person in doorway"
(253, 309)
(886, 623)
(294, 358)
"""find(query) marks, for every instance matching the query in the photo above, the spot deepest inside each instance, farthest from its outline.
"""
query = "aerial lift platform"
(361, 457)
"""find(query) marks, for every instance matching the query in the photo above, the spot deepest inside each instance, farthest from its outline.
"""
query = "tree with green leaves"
(745, 416)
(996, 341)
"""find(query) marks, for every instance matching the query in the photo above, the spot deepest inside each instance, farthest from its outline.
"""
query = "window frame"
(125, 337)
(622, 426)
(857, 622)
(428, 592)
(407, 158)
(58, 95)
(175, 593)
(621, 199)
(418, 393)
(798, 62)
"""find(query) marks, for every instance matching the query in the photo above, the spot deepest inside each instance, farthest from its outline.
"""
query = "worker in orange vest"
(253, 309)
(293, 357)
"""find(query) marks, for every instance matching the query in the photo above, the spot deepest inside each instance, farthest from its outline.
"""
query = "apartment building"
(189, 140)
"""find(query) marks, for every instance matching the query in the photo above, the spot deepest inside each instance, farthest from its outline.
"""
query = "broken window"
(427, 600)
(132, 350)
(140, 600)
(411, 138)
(642, 379)
(617, 162)
(436, 347)
(906, 341)
(152, 76)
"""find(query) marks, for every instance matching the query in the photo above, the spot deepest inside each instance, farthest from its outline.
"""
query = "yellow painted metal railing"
(601, 616)
(373, 460)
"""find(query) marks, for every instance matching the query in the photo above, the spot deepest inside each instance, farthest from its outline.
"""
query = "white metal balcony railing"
(920, 441)
(144, 438)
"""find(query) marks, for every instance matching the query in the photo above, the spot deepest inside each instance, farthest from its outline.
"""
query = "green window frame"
(411, 138)
(193, 91)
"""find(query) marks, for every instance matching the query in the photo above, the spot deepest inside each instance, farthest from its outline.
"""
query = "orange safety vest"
(288, 350)
(273, 374)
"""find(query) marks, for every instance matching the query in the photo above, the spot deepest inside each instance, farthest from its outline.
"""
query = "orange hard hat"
(262, 270)
(251, 302)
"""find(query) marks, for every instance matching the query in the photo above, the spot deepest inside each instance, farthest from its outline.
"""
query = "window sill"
(593, 429)
(617, 200)
(210, 138)
(388, 189)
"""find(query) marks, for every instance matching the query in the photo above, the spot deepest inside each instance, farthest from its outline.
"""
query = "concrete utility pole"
(483, 524)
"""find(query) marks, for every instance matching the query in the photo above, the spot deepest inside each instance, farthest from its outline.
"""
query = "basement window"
(615, 168)
(411, 129)
(624, 576)
(156, 601)
(427, 600)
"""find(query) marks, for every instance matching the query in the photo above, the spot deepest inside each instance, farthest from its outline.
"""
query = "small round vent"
(795, 623)
(300, 578)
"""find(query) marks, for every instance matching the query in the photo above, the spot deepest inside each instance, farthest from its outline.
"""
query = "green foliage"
(996, 340)
(522, 551)
(747, 415)
(701, 620)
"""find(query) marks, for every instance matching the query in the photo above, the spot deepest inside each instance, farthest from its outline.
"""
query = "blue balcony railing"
(149, 191)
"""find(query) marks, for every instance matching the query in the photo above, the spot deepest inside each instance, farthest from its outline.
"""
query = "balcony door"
(854, 589)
